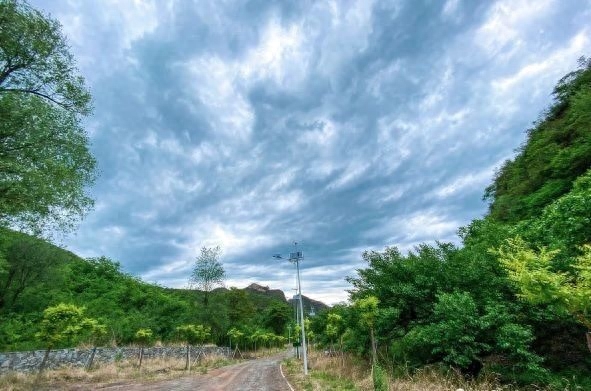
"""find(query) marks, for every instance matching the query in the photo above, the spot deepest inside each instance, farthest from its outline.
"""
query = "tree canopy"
(557, 151)
(208, 271)
(45, 162)
(63, 322)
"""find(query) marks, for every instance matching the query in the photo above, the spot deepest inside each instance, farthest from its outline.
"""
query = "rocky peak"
(265, 290)
(258, 288)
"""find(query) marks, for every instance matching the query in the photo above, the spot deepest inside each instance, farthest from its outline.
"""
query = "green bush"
(380, 380)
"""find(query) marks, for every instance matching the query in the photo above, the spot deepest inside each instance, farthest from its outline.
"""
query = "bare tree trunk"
(4, 291)
(237, 350)
(141, 357)
(342, 353)
(188, 362)
(201, 354)
(41, 368)
(374, 350)
(44, 361)
(91, 359)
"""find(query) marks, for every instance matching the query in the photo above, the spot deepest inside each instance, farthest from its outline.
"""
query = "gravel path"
(256, 375)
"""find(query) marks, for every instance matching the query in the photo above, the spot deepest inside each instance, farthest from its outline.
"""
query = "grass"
(106, 373)
(326, 373)
(318, 380)
(348, 373)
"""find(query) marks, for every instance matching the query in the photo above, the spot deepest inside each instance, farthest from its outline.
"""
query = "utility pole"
(296, 307)
(296, 257)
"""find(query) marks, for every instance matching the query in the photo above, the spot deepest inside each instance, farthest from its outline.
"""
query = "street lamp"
(296, 257)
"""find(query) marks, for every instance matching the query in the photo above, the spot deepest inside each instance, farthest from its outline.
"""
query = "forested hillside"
(557, 151)
(38, 274)
(514, 298)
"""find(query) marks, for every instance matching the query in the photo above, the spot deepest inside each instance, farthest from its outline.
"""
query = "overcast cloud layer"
(345, 126)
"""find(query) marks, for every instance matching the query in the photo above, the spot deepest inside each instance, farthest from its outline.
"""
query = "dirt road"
(256, 375)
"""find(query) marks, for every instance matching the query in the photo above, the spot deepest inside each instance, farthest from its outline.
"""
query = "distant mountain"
(310, 305)
(256, 288)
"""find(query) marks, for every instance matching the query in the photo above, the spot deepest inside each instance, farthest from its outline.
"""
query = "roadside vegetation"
(348, 372)
(512, 302)
(102, 374)
(509, 307)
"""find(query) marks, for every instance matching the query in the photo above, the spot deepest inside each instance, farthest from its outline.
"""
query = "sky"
(344, 126)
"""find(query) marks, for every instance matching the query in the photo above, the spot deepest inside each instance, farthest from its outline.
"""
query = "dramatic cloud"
(344, 126)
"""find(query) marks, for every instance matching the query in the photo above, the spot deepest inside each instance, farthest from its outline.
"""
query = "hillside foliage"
(513, 298)
(37, 275)
(557, 151)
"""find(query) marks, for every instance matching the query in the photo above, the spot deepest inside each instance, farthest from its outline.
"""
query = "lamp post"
(296, 257)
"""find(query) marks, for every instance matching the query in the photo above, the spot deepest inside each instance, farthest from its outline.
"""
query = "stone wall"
(30, 361)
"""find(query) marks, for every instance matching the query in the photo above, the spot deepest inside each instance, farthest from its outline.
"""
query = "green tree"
(143, 337)
(235, 335)
(334, 325)
(202, 334)
(407, 283)
(310, 334)
(60, 323)
(266, 337)
(380, 380)
(190, 334)
(45, 162)
(256, 336)
(540, 283)
(241, 309)
(368, 311)
(443, 304)
(276, 316)
(95, 333)
(29, 261)
(454, 330)
(3, 270)
(208, 272)
(280, 341)
(563, 225)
